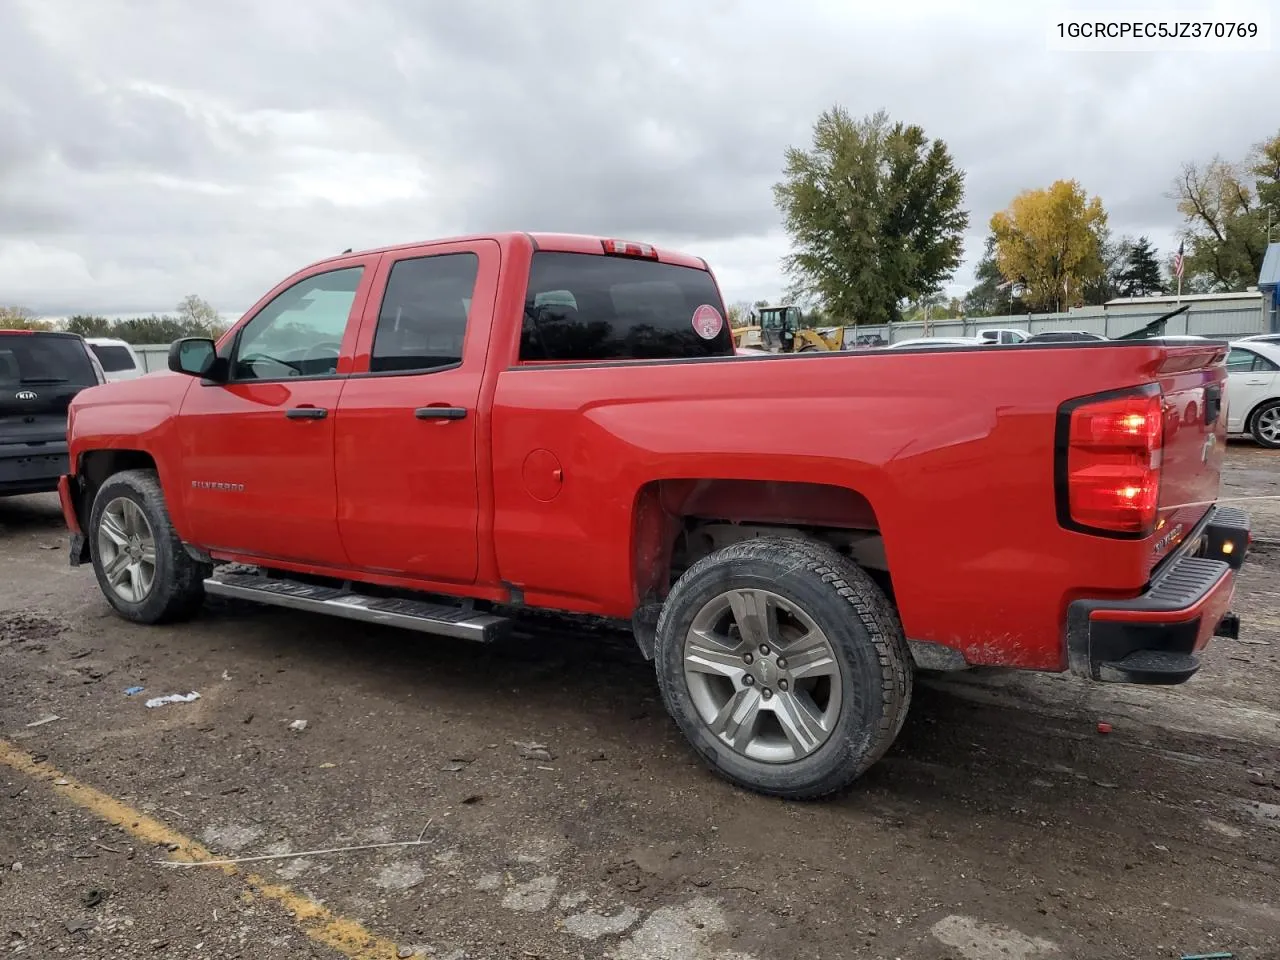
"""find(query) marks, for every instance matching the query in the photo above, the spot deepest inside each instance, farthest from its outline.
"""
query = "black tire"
(863, 629)
(177, 590)
(1271, 408)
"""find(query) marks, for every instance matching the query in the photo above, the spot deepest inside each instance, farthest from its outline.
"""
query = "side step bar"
(437, 618)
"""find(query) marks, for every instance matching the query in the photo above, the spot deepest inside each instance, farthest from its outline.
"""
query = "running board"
(437, 618)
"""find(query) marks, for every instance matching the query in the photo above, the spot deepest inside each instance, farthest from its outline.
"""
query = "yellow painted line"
(319, 923)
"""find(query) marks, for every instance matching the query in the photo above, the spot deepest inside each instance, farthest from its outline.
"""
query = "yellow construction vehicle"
(782, 331)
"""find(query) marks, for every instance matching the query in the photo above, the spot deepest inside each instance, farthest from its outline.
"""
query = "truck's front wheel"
(785, 666)
(142, 567)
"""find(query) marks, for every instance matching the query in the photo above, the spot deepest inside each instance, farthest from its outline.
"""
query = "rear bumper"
(31, 468)
(1157, 637)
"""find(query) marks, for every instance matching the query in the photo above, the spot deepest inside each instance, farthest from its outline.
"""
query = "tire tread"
(846, 580)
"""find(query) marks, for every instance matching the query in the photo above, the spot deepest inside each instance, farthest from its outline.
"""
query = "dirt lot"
(1002, 824)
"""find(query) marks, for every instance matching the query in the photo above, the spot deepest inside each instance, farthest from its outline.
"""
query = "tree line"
(194, 317)
(875, 212)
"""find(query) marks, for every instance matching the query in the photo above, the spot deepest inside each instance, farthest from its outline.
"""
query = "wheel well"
(97, 466)
(677, 522)
(1248, 420)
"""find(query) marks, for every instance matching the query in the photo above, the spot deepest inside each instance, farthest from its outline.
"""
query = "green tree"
(198, 316)
(1226, 209)
(1054, 238)
(88, 325)
(1141, 274)
(1108, 283)
(874, 213)
(993, 295)
(20, 318)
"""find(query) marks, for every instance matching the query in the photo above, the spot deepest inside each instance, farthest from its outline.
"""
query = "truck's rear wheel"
(142, 567)
(784, 665)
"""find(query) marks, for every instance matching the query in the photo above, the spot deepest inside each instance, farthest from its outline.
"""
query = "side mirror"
(194, 356)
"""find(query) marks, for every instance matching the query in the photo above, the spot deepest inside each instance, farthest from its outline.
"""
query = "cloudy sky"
(153, 149)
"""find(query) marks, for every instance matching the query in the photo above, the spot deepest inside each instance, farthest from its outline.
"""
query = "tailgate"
(1193, 381)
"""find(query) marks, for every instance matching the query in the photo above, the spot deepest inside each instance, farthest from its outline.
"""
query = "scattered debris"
(78, 926)
(327, 766)
(1104, 727)
(1259, 643)
(298, 726)
(43, 720)
(404, 952)
(50, 546)
(133, 691)
(289, 856)
(62, 782)
(454, 767)
(225, 675)
(173, 698)
(92, 897)
(16, 866)
(1161, 847)
(1207, 956)
(534, 751)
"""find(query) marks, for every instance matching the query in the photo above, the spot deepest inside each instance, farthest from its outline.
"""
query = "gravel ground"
(562, 816)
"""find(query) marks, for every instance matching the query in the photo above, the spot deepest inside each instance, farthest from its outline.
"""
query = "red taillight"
(1110, 468)
(625, 248)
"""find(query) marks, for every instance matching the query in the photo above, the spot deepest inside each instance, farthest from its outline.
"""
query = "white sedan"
(1253, 391)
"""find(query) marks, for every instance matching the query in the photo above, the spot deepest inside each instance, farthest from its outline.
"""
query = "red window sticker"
(707, 322)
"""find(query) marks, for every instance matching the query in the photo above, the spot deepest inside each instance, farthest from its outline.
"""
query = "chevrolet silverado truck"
(435, 436)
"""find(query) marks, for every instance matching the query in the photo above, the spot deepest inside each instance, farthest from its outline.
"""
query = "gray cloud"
(153, 150)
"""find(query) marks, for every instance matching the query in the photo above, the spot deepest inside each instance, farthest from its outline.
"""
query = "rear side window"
(27, 358)
(113, 358)
(1246, 361)
(423, 320)
(587, 307)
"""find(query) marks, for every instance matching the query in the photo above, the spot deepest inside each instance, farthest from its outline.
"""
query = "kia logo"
(26, 395)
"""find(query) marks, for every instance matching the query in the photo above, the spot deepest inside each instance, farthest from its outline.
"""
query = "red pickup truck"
(434, 436)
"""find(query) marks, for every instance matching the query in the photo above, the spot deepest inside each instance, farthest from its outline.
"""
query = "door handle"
(1257, 383)
(306, 413)
(440, 413)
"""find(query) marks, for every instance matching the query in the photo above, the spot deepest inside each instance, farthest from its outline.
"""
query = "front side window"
(422, 323)
(593, 307)
(299, 333)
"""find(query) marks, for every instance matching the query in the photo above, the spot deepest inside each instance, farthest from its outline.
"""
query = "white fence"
(1225, 318)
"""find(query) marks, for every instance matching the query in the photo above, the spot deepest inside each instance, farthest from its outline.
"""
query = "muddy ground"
(1002, 824)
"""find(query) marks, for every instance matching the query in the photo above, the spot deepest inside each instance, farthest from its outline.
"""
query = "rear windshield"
(594, 307)
(33, 358)
(113, 358)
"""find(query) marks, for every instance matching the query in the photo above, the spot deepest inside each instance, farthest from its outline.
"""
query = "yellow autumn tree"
(1051, 240)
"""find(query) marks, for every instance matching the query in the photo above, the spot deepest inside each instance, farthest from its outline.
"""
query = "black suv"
(39, 374)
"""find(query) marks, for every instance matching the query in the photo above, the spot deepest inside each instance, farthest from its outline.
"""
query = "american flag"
(1177, 261)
